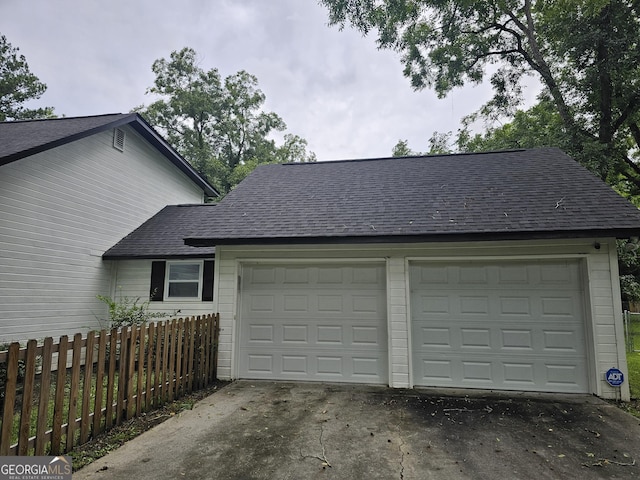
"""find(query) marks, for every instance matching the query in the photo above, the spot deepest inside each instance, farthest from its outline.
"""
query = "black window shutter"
(156, 294)
(207, 281)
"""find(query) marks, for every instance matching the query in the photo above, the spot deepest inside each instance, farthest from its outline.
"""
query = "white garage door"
(322, 323)
(510, 326)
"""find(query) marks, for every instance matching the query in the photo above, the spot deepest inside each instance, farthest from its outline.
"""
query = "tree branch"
(632, 104)
(635, 133)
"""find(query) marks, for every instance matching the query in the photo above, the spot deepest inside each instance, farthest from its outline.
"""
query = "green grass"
(50, 407)
(633, 364)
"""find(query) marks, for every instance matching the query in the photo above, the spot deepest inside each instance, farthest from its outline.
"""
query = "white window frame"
(167, 280)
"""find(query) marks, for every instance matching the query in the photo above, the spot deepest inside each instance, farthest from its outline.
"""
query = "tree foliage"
(18, 85)
(539, 126)
(438, 144)
(217, 124)
(586, 54)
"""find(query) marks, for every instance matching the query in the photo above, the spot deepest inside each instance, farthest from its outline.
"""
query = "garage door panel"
(526, 373)
(505, 333)
(314, 323)
(341, 303)
(358, 367)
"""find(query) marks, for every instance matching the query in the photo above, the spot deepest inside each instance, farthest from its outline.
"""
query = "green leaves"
(586, 54)
(18, 85)
(217, 124)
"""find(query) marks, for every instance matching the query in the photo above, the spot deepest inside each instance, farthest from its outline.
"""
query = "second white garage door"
(319, 323)
(510, 326)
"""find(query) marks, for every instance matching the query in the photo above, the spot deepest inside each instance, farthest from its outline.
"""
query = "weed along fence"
(59, 395)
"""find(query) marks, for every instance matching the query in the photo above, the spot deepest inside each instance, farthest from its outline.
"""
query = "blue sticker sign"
(614, 377)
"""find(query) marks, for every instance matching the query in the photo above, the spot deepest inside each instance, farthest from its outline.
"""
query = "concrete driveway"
(270, 430)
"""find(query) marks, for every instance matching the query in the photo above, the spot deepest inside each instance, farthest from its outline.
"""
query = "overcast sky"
(334, 88)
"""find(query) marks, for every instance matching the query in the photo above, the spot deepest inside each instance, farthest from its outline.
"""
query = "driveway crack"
(401, 458)
(323, 458)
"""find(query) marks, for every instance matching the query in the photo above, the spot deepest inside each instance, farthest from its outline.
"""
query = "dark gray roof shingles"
(24, 137)
(162, 236)
(500, 193)
(20, 139)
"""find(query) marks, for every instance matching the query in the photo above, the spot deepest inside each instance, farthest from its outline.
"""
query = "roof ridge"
(457, 154)
(31, 120)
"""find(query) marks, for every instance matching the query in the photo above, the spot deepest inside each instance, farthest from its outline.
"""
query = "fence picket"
(144, 367)
(149, 365)
(75, 387)
(131, 363)
(122, 374)
(202, 338)
(43, 402)
(165, 361)
(99, 389)
(172, 358)
(113, 345)
(157, 366)
(192, 335)
(179, 343)
(140, 368)
(58, 408)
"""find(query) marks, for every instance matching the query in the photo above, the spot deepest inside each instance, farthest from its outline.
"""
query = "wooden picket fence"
(59, 395)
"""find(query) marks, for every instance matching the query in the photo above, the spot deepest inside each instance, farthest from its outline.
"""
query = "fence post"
(27, 397)
(216, 340)
(9, 398)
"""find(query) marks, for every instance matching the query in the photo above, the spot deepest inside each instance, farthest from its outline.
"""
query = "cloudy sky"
(334, 88)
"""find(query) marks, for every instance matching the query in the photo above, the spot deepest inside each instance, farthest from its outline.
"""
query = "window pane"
(183, 289)
(187, 271)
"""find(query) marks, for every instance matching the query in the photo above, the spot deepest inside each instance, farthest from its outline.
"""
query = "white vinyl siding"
(132, 278)
(602, 318)
(60, 210)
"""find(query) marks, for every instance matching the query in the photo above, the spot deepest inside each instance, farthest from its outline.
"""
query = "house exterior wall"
(60, 210)
(601, 293)
(132, 279)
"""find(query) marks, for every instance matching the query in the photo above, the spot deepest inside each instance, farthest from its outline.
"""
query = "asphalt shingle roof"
(537, 193)
(162, 236)
(20, 139)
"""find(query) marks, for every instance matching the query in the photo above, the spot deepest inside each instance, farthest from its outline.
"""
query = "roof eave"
(422, 238)
(143, 128)
(108, 256)
(147, 131)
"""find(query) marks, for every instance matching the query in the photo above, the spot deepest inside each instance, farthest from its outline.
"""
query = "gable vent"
(118, 139)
